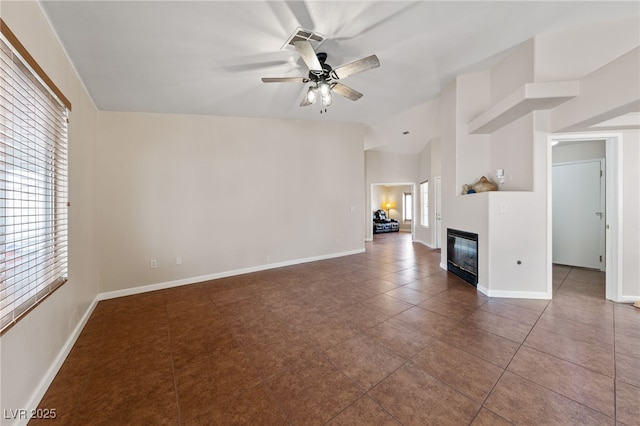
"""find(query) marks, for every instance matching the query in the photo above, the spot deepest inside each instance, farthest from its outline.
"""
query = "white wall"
(33, 349)
(587, 150)
(631, 215)
(224, 194)
(572, 54)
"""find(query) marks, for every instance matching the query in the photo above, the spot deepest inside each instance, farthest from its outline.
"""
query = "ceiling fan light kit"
(322, 75)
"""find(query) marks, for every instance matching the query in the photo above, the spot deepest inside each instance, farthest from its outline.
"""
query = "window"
(33, 183)
(424, 193)
(407, 207)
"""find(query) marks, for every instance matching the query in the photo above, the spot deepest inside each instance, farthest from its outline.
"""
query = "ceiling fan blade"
(305, 101)
(309, 57)
(346, 91)
(285, 80)
(301, 13)
(356, 67)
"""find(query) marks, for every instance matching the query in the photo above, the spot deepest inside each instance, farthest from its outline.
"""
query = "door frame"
(613, 208)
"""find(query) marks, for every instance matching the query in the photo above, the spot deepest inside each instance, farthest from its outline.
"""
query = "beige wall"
(225, 194)
(31, 351)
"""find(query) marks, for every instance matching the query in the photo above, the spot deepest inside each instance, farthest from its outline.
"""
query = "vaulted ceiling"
(208, 57)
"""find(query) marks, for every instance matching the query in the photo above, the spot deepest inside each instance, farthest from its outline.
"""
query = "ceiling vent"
(301, 34)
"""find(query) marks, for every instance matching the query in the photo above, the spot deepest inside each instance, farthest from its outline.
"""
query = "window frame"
(33, 183)
(424, 203)
(404, 207)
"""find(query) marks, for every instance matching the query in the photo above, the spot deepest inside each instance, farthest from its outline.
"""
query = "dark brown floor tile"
(128, 396)
(598, 358)
(67, 387)
(489, 418)
(353, 294)
(587, 275)
(328, 334)
(449, 308)
(402, 340)
(438, 283)
(628, 369)
(380, 285)
(253, 406)
(523, 402)
(416, 398)
(426, 321)
(627, 320)
(272, 359)
(398, 278)
(627, 344)
(602, 318)
(364, 360)
(466, 294)
(499, 325)
(462, 371)
(537, 305)
(208, 380)
(488, 346)
(313, 393)
(359, 317)
(364, 411)
(576, 330)
(565, 378)
(408, 295)
(507, 309)
(387, 304)
(627, 406)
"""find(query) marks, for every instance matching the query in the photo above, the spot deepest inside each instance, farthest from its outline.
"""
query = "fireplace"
(462, 255)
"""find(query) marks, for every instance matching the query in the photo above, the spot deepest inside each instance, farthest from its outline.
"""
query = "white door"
(438, 197)
(578, 214)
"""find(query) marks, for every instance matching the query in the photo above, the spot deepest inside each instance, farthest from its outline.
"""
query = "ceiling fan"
(322, 75)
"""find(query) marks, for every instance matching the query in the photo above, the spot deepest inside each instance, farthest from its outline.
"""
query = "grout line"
(173, 365)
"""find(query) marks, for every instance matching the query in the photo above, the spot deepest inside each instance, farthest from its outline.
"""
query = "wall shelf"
(530, 97)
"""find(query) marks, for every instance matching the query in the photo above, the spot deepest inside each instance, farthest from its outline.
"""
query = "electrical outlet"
(268, 258)
(153, 264)
(178, 260)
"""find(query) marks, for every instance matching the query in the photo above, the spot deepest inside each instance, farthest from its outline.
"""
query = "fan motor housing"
(326, 69)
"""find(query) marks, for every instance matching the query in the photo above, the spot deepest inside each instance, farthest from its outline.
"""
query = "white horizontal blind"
(33, 189)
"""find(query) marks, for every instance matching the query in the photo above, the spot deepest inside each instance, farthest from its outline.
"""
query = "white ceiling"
(207, 57)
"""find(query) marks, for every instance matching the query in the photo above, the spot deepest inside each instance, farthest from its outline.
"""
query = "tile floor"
(380, 338)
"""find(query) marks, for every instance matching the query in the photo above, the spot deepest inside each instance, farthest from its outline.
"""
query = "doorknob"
(600, 214)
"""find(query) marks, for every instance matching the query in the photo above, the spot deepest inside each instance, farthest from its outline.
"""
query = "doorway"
(392, 198)
(609, 148)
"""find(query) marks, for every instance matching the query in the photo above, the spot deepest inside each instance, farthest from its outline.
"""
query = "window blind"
(33, 188)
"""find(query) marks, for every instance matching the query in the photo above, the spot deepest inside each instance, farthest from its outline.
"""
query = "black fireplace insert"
(462, 255)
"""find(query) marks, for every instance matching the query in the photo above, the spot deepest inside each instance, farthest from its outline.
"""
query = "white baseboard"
(55, 366)
(429, 245)
(217, 275)
(514, 294)
(630, 299)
